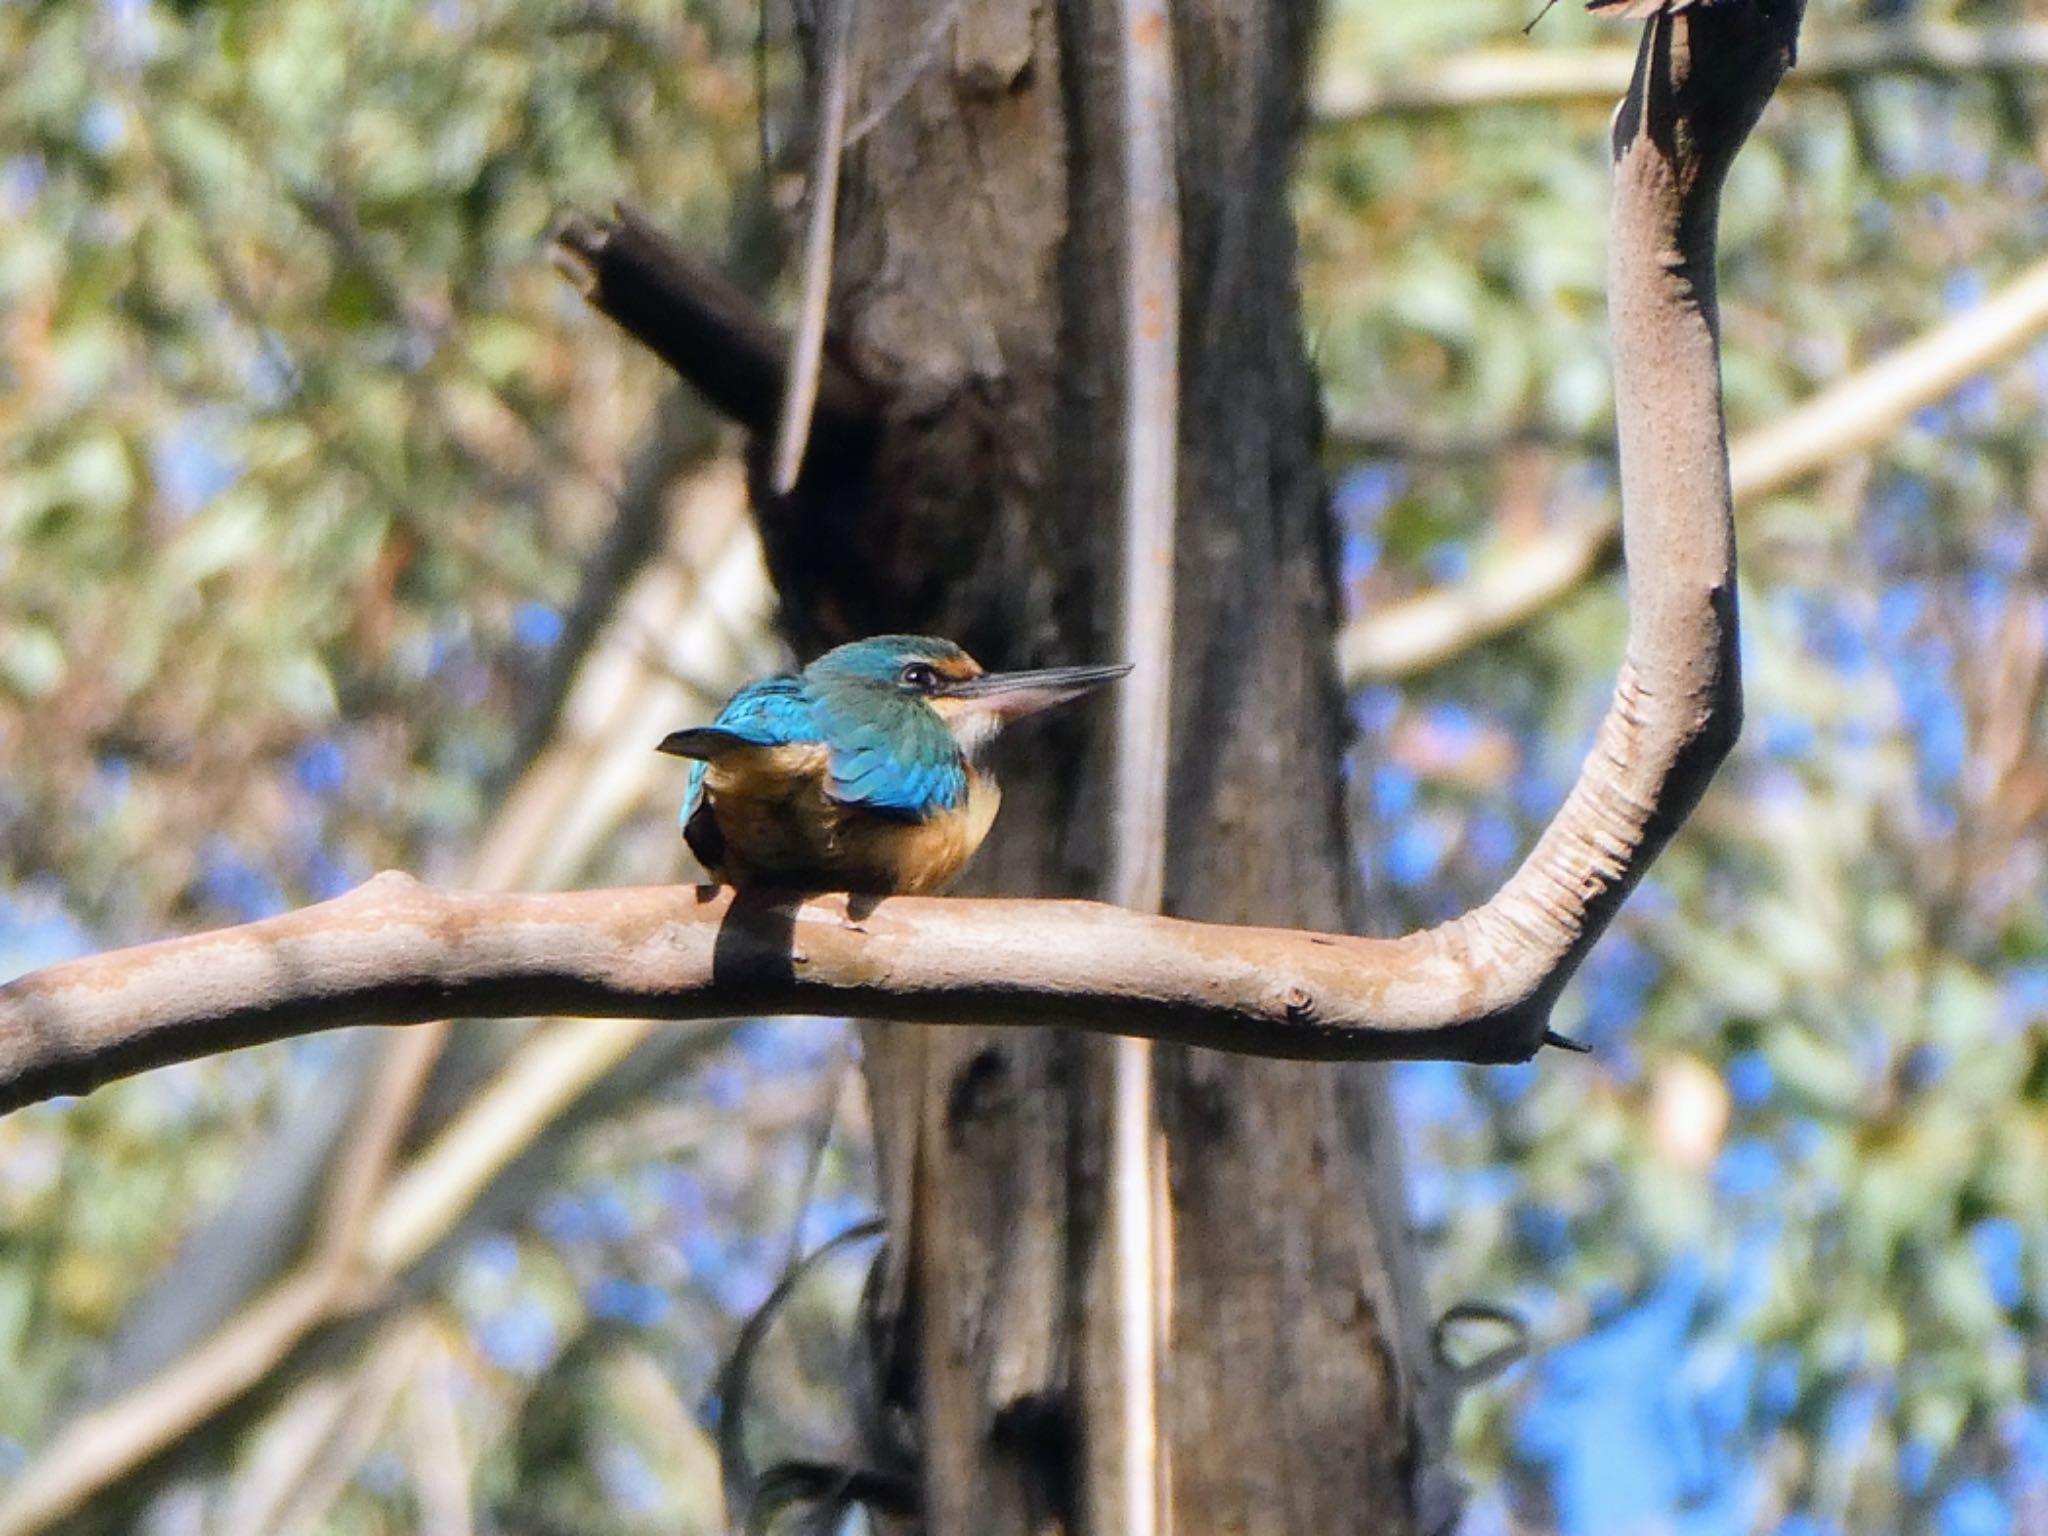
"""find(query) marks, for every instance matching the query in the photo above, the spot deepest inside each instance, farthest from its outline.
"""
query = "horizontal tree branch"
(394, 951)
(1537, 76)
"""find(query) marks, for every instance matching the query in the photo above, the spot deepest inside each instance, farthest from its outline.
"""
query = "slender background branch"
(191, 1366)
(1852, 416)
(838, 38)
(1137, 875)
(1534, 76)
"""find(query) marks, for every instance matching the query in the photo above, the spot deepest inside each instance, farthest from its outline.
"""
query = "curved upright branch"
(1478, 988)
(1702, 80)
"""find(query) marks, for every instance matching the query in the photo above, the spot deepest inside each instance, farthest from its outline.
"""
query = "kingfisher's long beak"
(1012, 695)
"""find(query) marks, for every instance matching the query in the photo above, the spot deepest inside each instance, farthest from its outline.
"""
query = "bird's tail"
(707, 743)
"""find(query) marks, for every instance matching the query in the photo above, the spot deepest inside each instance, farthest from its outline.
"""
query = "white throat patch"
(973, 730)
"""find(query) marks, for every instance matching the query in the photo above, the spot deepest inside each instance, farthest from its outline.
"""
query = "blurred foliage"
(291, 392)
(302, 447)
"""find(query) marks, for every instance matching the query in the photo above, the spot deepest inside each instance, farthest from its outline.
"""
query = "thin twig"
(743, 1488)
(840, 21)
(921, 59)
(834, 1076)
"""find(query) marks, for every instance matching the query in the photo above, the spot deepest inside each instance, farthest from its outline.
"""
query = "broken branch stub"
(711, 331)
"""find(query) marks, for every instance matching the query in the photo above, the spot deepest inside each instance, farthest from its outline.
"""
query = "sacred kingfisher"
(864, 772)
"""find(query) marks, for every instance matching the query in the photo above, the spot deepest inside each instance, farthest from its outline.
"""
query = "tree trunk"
(980, 241)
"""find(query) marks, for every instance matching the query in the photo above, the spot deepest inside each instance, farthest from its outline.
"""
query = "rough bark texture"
(980, 246)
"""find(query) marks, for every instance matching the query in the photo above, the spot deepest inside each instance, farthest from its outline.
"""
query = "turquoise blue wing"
(904, 764)
(771, 713)
(774, 712)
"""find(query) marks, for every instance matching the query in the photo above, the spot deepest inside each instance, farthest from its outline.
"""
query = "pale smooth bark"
(398, 952)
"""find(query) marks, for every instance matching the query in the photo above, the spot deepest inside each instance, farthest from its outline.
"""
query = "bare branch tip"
(576, 246)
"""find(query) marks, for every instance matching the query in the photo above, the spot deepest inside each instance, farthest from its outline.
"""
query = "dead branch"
(710, 331)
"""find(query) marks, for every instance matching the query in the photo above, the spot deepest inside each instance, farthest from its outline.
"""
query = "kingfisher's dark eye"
(918, 677)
